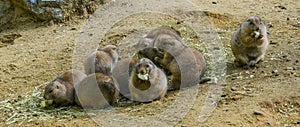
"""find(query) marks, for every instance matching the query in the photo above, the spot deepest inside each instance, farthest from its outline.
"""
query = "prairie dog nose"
(142, 71)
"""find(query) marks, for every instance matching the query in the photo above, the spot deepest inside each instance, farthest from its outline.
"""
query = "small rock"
(247, 72)
(288, 60)
(287, 125)
(237, 97)
(281, 7)
(289, 68)
(233, 89)
(256, 112)
(275, 71)
(270, 25)
(216, 48)
(273, 43)
(251, 76)
(183, 126)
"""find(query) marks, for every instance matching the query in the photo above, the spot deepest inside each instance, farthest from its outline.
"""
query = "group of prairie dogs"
(163, 63)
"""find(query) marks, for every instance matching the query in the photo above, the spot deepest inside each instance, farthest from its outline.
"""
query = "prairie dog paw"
(252, 63)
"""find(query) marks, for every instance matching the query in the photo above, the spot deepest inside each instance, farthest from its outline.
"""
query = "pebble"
(273, 43)
(247, 72)
(236, 97)
(256, 112)
(289, 68)
(251, 76)
(233, 89)
(287, 125)
(275, 71)
(270, 25)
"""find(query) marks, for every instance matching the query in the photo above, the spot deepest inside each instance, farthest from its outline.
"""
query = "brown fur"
(171, 47)
(165, 47)
(147, 90)
(61, 89)
(97, 91)
(200, 60)
(247, 47)
(149, 39)
(193, 66)
(101, 61)
(121, 72)
(147, 47)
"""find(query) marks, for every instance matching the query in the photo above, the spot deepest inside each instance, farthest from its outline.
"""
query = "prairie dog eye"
(251, 23)
(50, 91)
(57, 87)
(147, 65)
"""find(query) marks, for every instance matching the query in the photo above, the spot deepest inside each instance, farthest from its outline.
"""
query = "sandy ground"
(264, 96)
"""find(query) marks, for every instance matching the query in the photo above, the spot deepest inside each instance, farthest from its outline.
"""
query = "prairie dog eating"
(61, 89)
(147, 82)
(249, 43)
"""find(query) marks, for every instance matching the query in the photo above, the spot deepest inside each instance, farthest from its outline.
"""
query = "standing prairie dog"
(147, 82)
(61, 89)
(96, 91)
(101, 61)
(249, 43)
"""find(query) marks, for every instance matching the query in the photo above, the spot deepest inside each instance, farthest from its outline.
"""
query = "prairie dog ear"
(248, 20)
(144, 43)
(114, 47)
(110, 47)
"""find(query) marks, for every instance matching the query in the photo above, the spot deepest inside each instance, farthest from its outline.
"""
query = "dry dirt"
(33, 53)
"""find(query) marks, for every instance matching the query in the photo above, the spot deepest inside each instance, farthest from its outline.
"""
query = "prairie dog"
(166, 50)
(121, 73)
(101, 61)
(147, 82)
(146, 45)
(61, 89)
(171, 47)
(149, 38)
(249, 43)
(191, 63)
(96, 91)
(200, 61)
